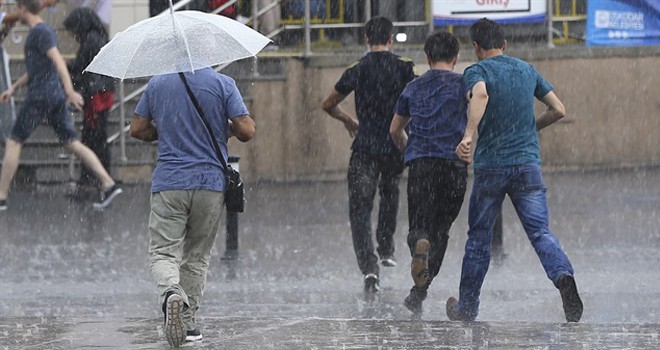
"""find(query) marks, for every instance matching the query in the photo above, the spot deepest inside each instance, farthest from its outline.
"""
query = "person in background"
(97, 90)
(376, 163)
(433, 106)
(8, 20)
(49, 90)
(270, 20)
(157, 7)
(187, 196)
(507, 161)
(102, 8)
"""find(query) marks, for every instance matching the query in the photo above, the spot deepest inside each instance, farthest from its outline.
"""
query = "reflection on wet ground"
(319, 333)
(71, 278)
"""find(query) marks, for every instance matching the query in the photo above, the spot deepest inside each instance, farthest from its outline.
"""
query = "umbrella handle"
(171, 7)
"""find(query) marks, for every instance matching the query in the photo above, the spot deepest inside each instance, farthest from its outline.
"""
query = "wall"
(612, 98)
(126, 13)
(613, 112)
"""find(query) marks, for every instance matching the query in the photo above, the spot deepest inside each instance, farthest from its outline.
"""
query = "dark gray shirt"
(43, 81)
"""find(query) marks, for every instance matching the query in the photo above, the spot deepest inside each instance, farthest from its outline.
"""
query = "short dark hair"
(487, 34)
(441, 46)
(378, 30)
(33, 6)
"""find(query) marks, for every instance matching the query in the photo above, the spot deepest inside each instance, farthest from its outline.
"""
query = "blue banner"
(623, 22)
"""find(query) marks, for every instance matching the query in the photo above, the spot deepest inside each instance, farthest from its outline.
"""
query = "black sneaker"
(570, 298)
(371, 286)
(193, 335)
(107, 196)
(414, 300)
(388, 260)
(3, 205)
(419, 267)
(175, 330)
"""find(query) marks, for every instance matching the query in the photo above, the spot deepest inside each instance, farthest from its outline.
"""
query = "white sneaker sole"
(107, 201)
(193, 338)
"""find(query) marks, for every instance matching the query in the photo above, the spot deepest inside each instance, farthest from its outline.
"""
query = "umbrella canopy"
(181, 41)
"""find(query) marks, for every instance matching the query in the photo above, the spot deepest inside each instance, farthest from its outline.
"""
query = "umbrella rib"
(178, 26)
(135, 51)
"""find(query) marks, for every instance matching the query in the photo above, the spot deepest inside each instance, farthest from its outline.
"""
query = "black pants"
(94, 136)
(367, 172)
(436, 188)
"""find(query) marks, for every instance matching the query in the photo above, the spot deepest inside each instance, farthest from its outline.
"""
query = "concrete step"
(61, 171)
(45, 151)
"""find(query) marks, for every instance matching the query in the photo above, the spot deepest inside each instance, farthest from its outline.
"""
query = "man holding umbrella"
(188, 184)
(192, 111)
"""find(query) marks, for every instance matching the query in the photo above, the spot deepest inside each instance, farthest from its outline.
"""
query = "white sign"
(461, 12)
(620, 19)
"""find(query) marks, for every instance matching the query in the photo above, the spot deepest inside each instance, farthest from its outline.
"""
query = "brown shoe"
(419, 268)
(570, 298)
(452, 309)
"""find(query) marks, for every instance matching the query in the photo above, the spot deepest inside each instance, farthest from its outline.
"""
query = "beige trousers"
(182, 228)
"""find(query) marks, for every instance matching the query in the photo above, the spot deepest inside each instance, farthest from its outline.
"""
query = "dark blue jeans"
(366, 173)
(524, 185)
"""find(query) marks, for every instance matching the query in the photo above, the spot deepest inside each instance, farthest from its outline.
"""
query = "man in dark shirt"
(434, 107)
(377, 79)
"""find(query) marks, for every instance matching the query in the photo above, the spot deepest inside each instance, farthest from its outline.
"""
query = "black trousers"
(366, 173)
(94, 136)
(436, 188)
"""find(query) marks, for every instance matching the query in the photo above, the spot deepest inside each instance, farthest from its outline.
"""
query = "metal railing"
(307, 26)
(556, 15)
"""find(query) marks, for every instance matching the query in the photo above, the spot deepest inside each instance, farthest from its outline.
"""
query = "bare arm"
(243, 128)
(12, 17)
(331, 106)
(554, 111)
(478, 98)
(7, 94)
(74, 98)
(398, 131)
(143, 129)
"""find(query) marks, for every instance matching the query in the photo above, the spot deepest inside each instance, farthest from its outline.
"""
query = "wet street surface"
(72, 278)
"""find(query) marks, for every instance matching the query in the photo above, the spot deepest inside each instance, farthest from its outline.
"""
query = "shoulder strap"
(206, 122)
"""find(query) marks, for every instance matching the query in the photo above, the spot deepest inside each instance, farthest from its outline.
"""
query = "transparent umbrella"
(177, 41)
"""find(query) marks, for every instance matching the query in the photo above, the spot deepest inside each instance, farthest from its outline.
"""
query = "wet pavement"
(72, 278)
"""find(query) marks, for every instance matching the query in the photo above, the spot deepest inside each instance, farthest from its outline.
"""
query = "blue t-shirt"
(507, 132)
(43, 81)
(436, 104)
(186, 157)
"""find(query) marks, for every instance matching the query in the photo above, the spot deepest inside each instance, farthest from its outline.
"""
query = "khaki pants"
(182, 228)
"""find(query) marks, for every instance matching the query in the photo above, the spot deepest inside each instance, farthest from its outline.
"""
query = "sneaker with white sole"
(3, 205)
(107, 196)
(388, 261)
(371, 286)
(175, 329)
(193, 335)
